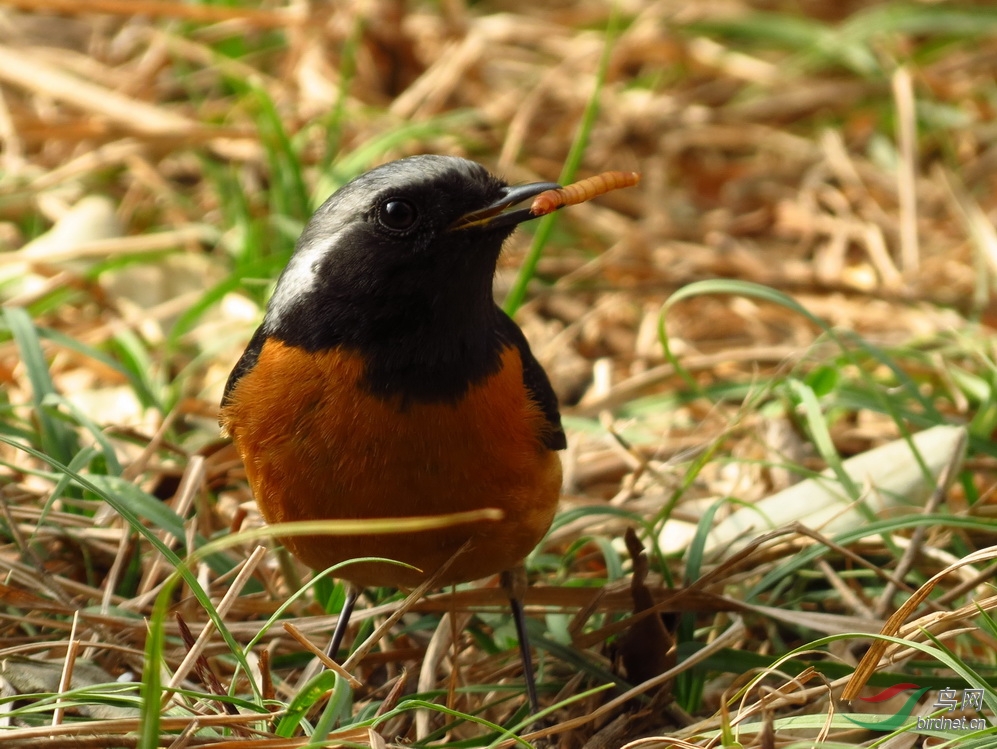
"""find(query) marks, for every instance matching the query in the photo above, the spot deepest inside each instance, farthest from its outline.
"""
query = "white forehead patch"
(301, 274)
(350, 201)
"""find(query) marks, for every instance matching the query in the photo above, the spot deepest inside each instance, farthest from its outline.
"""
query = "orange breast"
(317, 446)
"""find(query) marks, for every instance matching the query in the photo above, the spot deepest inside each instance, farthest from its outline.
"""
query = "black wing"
(535, 380)
(246, 362)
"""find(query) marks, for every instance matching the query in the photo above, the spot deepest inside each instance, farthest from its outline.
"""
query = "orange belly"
(317, 446)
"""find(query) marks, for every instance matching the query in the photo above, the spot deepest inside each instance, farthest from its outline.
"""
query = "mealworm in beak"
(579, 192)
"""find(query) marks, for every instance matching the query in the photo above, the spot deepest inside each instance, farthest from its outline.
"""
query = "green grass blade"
(517, 294)
(314, 690)
(55, 436)
(337, 710)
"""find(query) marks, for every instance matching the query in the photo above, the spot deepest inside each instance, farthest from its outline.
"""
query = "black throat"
(422, 343)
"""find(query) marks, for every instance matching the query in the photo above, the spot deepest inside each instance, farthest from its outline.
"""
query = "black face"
(399, 263)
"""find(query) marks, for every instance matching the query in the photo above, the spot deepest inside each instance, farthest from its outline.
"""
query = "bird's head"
(408, 246)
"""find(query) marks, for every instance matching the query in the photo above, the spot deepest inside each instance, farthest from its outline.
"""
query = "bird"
(385, 382)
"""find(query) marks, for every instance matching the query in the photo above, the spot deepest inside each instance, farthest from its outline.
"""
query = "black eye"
(397, 214)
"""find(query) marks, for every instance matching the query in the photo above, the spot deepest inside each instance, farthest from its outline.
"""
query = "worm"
(579, 192)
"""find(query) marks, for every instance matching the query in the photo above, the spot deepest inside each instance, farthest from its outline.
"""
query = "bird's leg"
(514, 583)
(344, 620)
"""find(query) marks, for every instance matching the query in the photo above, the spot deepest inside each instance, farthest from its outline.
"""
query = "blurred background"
(158, 160)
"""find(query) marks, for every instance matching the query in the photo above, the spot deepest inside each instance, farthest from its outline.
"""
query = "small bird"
(384, 382)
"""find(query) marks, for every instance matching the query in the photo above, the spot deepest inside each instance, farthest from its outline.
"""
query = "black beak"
(492, 216)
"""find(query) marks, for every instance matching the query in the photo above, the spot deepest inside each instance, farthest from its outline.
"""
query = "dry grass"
(841, 153)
